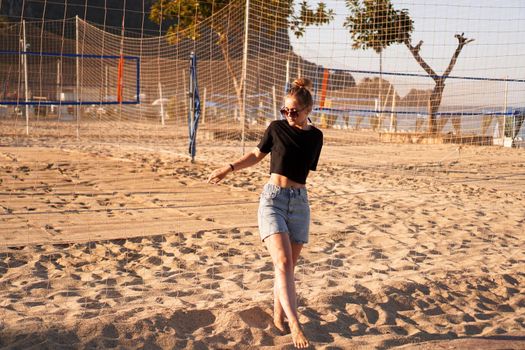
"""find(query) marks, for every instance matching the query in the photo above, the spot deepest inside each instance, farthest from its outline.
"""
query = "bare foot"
(298, 337)
(282, 326)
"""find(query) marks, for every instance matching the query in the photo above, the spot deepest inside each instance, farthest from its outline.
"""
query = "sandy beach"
(119, 245)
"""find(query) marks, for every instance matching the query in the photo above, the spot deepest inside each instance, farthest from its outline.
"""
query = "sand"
(118, 246)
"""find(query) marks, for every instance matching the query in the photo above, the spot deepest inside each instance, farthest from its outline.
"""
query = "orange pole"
(119, 78)
(324, 86)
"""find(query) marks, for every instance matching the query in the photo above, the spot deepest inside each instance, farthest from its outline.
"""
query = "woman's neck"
(303, 126)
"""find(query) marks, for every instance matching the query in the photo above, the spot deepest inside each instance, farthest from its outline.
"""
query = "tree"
(276, 15)
(371, 25)
(376, 24)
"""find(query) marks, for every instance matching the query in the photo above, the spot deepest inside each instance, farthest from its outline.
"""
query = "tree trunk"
(433, 105)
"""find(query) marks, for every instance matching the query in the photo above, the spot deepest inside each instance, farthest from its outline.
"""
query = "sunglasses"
(291, 112)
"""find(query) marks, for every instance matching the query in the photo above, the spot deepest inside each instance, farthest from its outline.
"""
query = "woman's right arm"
(249, 159)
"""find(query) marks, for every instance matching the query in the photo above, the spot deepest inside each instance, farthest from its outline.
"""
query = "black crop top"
(294, 151)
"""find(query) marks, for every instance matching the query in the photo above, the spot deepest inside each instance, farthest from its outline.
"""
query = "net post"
(161, 104)
(138, 79)
(244, 68)
(393, 117)
(26, 85)
(287, 76)
(505, 107)
(106, 82)
(77, 70)
(274, 98)
(380, 95)
(59, 69)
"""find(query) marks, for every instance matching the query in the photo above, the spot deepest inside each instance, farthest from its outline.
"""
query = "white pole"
(393, 117)
(287, 74)
(203, 117)
(186, 100)
(161, 105)
(505, 106)
(244, 68)
(26, 85)
(380, 115)
(107, 82)
(58, 79)
(376, 107)
(274, 97)
(77, 109)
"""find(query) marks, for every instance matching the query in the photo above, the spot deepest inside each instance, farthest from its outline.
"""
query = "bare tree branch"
(415, 52)
(462, 41)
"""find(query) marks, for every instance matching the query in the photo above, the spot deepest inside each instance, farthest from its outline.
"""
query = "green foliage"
(307, 17)
(376, 24)
(186, 15)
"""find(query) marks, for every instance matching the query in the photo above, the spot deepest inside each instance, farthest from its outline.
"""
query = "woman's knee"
(283, 263)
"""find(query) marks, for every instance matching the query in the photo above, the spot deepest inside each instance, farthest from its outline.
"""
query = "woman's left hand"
(218, 174)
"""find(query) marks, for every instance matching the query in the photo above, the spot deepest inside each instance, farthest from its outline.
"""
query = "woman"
(284, 212)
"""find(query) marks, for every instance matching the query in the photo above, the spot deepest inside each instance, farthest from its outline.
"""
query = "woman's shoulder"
(276, 124)
(316, 131)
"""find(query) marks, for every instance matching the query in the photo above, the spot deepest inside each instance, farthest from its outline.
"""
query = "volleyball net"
(131, 75)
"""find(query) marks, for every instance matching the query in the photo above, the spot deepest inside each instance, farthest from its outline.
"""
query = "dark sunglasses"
(293, 113)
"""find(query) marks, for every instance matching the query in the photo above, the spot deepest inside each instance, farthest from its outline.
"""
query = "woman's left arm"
(245, 161)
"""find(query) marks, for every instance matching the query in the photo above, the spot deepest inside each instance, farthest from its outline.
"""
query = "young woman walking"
(284, 211)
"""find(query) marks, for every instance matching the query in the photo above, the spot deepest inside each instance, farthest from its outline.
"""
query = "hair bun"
(303, 83)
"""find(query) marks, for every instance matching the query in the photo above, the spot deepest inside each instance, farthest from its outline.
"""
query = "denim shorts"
(284, 210)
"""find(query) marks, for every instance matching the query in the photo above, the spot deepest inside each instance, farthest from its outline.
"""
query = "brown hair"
(300, 89)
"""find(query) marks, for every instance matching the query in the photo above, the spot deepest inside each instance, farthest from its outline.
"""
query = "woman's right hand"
(218, 174)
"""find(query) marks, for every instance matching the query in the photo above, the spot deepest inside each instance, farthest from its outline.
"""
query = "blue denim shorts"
(284, 210)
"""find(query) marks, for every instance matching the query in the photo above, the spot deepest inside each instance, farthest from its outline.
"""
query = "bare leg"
(280, 249)
(278, 312)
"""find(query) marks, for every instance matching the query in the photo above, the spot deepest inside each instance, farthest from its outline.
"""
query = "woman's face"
(295, 114)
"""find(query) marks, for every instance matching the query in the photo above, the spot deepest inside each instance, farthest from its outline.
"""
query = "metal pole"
(244, 68)
(58, 79)
(191, 98)
(274, 98)
(505, 106)
(287, 76)
(106, 82)
(26, 85)
(77, 69)
(191, 94)
(161, 104)
(393, 116)
(380, 114)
